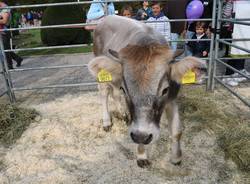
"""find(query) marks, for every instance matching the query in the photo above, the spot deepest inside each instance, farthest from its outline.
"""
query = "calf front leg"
(175, 129)
(122, 113)
(142, 159)
(104, 90)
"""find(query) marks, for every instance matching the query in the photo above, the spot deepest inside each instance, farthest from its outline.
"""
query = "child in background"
(160, 27)
(127, 11)
(200, 48)
(145, 12)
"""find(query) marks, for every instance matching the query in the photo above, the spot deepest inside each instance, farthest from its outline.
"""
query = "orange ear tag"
(189, 77)
(104, 76)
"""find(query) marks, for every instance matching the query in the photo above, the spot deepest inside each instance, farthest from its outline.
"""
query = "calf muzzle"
(141, 138)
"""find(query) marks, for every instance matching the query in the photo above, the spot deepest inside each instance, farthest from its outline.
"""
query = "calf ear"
(178, 69)
(107, 64)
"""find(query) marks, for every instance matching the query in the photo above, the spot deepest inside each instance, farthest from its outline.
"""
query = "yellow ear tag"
(104, 76)
(189, 77)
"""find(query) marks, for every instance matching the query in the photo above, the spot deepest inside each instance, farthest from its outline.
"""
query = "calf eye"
(121, 88)
(164, 91)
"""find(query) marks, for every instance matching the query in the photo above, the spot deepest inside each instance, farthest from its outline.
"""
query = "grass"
(13, 122)
(217, 115)
(32, 39)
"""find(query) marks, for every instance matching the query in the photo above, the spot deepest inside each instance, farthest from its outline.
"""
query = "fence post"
(6, 73)
(218, 26)
(105, 8)
(212, 45)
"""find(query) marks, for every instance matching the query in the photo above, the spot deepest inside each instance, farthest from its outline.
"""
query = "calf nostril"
(151, 136)
(149, 139)
(132, 136)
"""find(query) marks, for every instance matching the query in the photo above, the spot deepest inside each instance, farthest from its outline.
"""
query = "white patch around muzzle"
(146, 128)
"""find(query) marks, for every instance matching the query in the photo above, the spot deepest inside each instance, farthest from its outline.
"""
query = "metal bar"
(232, 68)
(69, 4)
(241, 19)
(234, 58)
(48, 47)
(55, 86)
(2, 94)
(61, 67)
(84, 45)
(246, 102)
(81, 25)
(228, 76)
(235, 21)
(233, 45)
(7, 76)
(218, 26)
(211, 56)
(49, 67)
(235, 39)
(190, 40)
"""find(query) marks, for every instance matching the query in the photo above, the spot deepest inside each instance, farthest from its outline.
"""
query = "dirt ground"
(67, 145)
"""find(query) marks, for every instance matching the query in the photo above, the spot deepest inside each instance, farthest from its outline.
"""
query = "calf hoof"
(176, 161)
(143, 163)
(107, 128)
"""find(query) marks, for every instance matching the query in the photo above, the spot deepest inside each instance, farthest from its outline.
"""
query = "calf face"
(150, 80)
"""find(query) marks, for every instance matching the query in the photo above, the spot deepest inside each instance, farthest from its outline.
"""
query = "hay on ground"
(68, 145)
(13, 122)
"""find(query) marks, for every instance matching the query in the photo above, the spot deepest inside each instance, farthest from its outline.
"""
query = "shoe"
(238, 77)
(246, 73)
(230, 81)
(19, 62)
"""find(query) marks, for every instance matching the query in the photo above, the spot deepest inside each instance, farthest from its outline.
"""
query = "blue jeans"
(189, 35)
(174, 37)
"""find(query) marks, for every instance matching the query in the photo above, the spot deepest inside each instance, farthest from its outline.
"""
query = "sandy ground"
(67, 145)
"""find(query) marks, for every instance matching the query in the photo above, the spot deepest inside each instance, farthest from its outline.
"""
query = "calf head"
(150, 79)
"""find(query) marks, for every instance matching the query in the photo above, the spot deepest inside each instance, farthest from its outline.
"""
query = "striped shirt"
(227, 11)
(161, 27)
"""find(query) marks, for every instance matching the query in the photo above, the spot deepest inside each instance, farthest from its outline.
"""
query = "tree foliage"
(64, 15)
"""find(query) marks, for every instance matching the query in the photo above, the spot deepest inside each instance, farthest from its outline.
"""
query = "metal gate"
(211, 79)
(223, 60)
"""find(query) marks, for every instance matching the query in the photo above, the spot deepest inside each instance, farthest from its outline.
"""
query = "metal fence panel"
(213, 57)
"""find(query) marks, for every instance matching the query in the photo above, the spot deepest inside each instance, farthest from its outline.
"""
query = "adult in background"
(29, 17)
(235, 9)
(145, 12)
(5, 17)
(176, 10)
(35, 18)
(97, 11)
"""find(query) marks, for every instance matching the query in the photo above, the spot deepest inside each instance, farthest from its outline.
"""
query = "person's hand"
(204, 53)
(183, 34)
(144, 15)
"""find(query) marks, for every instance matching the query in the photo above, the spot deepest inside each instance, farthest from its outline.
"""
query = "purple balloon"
(194, 10)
